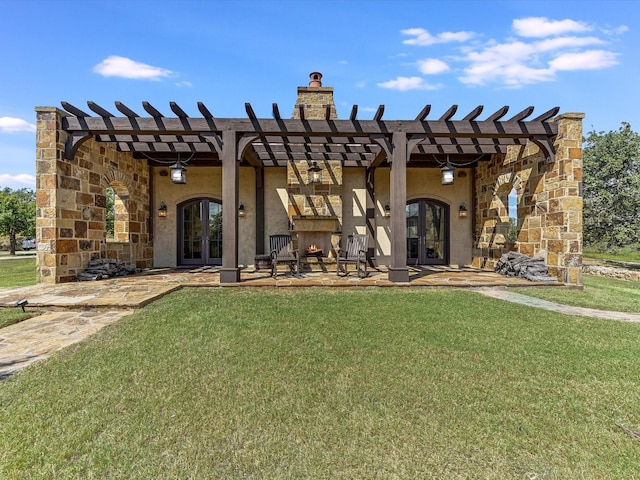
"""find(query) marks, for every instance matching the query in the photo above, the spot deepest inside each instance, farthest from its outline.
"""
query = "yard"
(318, 383)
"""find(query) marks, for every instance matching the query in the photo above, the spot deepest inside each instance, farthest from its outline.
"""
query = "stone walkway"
(72, 311)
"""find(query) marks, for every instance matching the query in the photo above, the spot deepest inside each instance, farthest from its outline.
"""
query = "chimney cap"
(316, 79)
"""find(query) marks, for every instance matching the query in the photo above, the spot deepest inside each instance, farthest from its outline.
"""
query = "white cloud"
(432, 66)
(543, 27)
(519, 63)
(544, 47)
(20, 180)
(184, 84)
(587, 60)
(408, 83)
(12, 125)
(116, 66)
(423, 38)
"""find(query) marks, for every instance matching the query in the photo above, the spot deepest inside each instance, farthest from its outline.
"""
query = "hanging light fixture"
(447, 174)
(241, 211)
(314, 173)
(387, 210)
(178, 173)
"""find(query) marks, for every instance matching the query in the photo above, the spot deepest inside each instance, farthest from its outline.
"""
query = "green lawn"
(322, 383)
(599, 292)
(630, 253)
(17, 272)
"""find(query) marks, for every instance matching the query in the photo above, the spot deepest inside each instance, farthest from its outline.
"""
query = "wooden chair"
(354, 253)
(282, 252)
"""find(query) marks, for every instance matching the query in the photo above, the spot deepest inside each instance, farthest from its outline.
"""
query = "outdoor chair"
(354, 253)
(282, 252)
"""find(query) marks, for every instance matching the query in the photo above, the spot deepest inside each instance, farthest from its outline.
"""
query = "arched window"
(117, 212)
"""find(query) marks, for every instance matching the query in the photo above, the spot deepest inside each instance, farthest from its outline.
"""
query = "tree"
(17, 214)
(611, 216)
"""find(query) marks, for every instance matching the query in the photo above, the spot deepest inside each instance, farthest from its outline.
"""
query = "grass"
(630, 253)
(599, 292)
(311, 383)
(9, 316)
(17, 272)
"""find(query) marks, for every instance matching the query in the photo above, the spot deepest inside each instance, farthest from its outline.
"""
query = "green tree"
(17, 214)
(611, 216)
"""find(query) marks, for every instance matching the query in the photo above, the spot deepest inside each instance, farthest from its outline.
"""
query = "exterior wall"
(354, 201)
(201, 182)
(426, 183)
(276, 201)
(71, 201)
(549, 204)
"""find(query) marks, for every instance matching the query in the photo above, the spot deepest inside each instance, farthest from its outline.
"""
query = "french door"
(427, 232)
(200, 232)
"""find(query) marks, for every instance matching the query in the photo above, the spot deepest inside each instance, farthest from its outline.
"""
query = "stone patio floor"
(72, 311)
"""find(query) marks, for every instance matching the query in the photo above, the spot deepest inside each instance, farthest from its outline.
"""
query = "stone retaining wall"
(612, 272)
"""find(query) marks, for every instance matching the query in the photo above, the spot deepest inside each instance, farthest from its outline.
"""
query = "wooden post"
(230, 273)
(398, 271)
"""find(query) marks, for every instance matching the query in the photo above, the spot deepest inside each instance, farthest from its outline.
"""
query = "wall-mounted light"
(447, 174)
(162, 210)
(315, 173)
(178, 173)
(387, 210)
(241, 211)
(462, 211)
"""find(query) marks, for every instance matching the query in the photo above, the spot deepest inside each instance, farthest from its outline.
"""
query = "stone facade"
(71, 204)
(549, 204)
(71, 200)
(315, 209)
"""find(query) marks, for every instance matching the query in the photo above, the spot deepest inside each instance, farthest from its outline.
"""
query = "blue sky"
(579, 55)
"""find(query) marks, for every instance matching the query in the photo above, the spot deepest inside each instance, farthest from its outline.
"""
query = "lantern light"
(315, 173)
(162, 211)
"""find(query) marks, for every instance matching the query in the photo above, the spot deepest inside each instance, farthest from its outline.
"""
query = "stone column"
(562, 223)
(398, 271)
(50, 139)
(230, 273)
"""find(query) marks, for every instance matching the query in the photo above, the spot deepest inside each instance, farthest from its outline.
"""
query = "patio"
(136, 291)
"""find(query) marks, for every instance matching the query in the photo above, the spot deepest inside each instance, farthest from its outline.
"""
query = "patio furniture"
(354, 253)
(282, 252)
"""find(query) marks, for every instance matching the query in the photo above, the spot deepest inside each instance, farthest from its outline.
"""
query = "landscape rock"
(513, 264)
(103, 268)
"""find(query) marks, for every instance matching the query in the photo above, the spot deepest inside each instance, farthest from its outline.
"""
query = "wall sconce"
(241, 211)
(314, 173)
(387, 210)
(162, 211)
(178, 173)
(462, 211)
(447, 174)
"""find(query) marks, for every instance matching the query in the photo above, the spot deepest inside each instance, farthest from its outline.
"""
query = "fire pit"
(314, 251)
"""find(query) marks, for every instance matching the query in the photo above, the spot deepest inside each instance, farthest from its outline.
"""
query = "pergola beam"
(353, 136)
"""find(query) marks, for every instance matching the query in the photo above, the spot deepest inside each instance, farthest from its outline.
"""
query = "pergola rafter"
(273, 141)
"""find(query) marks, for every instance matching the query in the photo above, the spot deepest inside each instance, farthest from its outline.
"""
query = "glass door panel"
(215, 232)
(427, 233)
(200, 236)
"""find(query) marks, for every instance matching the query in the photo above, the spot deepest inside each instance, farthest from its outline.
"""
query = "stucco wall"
(426, 183)
(201, 182)
(276, 201)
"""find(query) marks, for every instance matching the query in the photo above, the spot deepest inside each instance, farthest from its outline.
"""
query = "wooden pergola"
(272, 142)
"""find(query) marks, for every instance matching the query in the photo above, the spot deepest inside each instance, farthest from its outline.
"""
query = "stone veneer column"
(562, 223)
(50, 141)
